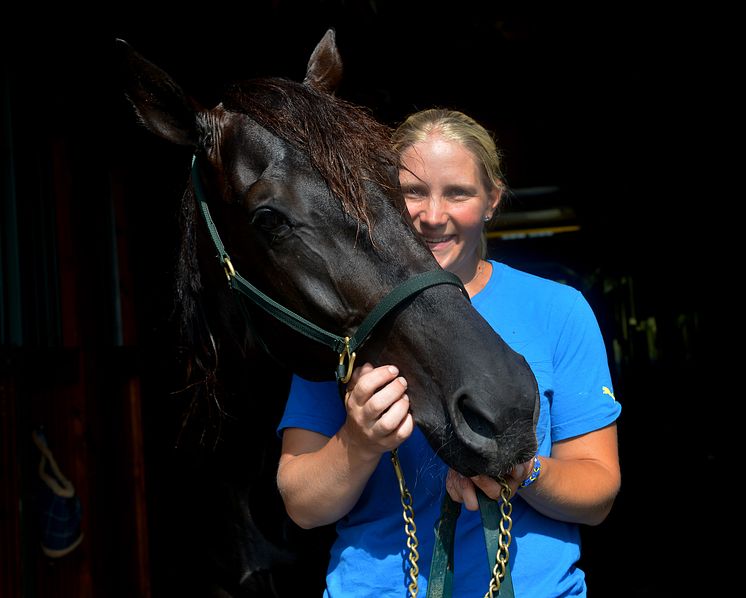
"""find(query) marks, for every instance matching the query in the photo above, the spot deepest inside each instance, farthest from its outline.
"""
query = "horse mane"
(347, 146)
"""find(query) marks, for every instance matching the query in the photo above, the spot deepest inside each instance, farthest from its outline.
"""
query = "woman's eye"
(272, 222)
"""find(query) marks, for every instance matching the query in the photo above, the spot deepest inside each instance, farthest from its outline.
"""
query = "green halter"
(345, 347)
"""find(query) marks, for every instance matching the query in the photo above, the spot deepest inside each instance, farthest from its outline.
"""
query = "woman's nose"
(433, 213)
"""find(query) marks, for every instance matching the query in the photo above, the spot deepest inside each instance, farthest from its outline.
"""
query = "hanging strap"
(491, 518)
(440, 582)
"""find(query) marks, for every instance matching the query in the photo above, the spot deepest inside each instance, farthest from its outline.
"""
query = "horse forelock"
(347, 146)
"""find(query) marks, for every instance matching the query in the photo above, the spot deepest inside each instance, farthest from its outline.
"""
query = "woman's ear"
(493, 200)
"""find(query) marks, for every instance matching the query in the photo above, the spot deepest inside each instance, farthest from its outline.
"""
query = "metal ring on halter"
(228, 267)
(350, 361)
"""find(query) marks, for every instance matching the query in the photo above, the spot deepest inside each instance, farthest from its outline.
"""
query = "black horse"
(302, 188)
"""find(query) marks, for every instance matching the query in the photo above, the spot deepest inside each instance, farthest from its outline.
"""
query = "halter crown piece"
(345, 346)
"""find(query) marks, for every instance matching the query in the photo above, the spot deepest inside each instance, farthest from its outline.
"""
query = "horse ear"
(324, 70)
(159, 102)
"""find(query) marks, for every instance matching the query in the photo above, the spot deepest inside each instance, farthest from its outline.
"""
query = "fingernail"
(402, 381)
(393, 369)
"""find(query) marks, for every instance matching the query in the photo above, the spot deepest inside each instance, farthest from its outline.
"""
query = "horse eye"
(271, 221)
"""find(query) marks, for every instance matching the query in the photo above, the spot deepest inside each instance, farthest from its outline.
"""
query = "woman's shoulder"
(525, 283)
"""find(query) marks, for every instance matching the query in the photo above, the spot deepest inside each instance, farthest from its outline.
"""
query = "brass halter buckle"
(350, 357)
(228, 267)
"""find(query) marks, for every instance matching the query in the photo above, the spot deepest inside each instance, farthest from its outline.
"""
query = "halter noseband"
(346, 346)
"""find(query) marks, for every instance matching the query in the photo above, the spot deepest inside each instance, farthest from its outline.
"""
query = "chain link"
(410, 529)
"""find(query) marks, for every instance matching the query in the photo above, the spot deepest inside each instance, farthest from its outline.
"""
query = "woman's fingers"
(375, 391)
(393, 416)
(377, 403)
(381, 402)
(489, 486)
(493, 489)
(356, 373)
(462, 489)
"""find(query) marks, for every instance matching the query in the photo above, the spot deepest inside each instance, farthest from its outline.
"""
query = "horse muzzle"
(497, 436)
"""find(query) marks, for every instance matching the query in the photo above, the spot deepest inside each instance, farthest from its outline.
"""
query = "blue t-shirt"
(553, 327)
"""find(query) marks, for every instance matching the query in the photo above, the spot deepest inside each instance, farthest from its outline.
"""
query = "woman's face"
(447, 201)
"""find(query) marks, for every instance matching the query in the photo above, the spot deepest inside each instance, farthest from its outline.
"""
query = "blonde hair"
(460, 128)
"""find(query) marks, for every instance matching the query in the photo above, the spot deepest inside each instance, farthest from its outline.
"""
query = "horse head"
(303, 190)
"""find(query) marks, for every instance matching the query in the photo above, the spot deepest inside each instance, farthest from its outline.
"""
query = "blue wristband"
(535, 471)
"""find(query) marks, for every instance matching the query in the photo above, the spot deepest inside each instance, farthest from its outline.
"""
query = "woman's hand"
(578, 483)
(378, 417)
(463, 489)
(321, 478)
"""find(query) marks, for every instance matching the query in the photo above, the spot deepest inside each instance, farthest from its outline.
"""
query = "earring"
(487, 218)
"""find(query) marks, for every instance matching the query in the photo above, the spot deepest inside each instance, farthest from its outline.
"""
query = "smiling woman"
(331, 468)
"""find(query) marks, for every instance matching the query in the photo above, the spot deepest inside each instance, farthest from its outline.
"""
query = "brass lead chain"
(410, 529)
(503, 542)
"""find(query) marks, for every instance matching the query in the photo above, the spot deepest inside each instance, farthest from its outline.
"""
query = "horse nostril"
(476, 420)
(498, 435)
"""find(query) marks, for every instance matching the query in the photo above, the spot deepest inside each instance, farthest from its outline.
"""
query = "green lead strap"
(491, 517)
(440, 581)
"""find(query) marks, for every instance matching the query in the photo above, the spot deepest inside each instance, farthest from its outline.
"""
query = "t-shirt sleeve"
(583, 398)
(313, 406)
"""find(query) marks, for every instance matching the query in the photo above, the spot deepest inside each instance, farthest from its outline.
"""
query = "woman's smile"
(439, 243)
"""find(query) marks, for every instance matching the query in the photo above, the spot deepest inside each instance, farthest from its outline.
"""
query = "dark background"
(619, 115)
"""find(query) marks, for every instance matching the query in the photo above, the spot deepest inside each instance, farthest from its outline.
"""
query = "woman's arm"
(578, 483)
(320, 478)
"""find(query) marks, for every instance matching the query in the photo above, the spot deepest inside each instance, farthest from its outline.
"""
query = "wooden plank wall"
(74, 373)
